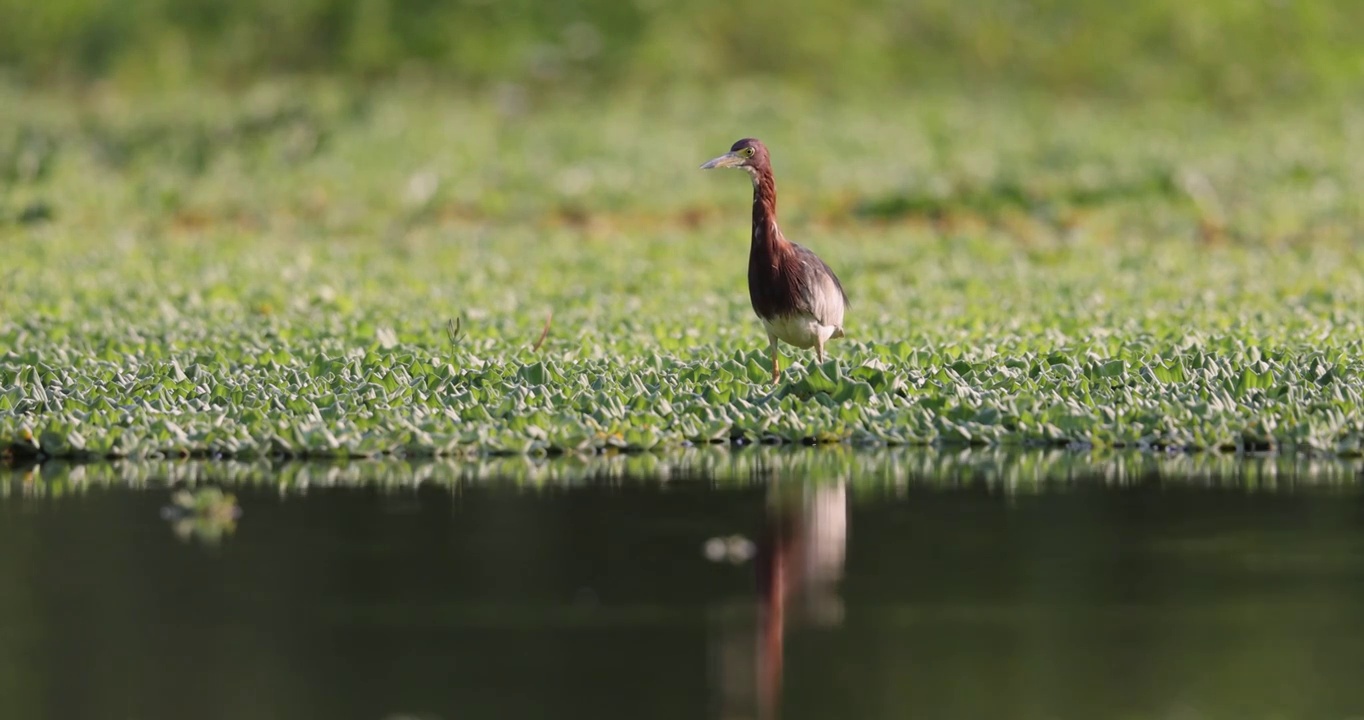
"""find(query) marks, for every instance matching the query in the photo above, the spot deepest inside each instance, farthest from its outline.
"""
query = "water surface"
(771, 589)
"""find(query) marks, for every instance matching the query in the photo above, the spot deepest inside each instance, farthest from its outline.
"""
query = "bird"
(798, 298)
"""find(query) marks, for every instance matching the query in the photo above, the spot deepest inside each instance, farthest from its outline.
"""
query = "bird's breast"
(796, 329)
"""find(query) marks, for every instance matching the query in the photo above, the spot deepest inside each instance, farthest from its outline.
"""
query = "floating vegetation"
(257, 302)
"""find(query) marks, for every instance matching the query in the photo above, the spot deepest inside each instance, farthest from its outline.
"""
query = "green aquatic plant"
(1093, 277)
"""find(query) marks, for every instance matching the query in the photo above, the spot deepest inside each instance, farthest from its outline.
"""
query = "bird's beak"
(727, 160)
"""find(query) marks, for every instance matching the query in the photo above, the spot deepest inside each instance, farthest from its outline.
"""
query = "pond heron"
(798, 298)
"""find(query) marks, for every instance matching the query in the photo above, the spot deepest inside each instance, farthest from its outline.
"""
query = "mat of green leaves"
(331, 274)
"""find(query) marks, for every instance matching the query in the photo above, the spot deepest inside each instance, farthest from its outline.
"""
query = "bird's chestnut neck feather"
(766, 235)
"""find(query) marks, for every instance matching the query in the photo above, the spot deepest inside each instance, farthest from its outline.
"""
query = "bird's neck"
(767, 236)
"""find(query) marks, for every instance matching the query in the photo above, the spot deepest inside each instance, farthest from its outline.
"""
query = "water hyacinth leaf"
(1112, 369)
(850, 391)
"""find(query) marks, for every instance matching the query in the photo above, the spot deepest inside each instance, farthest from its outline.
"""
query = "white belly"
(800, 330)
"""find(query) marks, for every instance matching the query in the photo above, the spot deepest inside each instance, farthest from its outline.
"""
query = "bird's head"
(748, 154)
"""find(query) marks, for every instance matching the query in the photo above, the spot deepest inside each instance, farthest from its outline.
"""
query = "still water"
(796, 586)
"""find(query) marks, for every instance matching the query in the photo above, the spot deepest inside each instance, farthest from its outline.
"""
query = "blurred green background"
(1081, 189)
(1221, 51)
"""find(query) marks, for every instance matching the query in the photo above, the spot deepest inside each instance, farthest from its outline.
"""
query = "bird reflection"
(798, 563)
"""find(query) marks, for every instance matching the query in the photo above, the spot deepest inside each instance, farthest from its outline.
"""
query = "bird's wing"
(821, 294)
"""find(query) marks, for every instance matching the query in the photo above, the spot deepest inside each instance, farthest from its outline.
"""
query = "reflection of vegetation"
(1002, 470)
(206, 514)
(734, 549)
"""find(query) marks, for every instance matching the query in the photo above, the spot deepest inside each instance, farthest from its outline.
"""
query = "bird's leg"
(776, 368)
(819, 349)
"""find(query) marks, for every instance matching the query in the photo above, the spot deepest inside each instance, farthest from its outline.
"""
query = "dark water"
(1238, 595)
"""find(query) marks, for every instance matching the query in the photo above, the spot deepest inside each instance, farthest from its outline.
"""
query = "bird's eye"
(746, 152)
